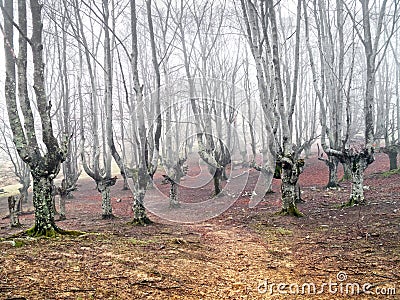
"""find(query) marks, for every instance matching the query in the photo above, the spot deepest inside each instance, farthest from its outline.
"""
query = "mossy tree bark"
(173, 195)
(357, 187)
(103, 186)
(43, 203)
(173, 192)
(291, 170)
(175, 173)
(358, 161)
(139, 211)
(143, 178)
(332, 162)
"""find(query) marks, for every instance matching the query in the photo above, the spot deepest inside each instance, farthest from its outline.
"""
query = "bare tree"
(66, 115)
(211, 148)
(44, 163)
(101, 143)
(146, 168)
(385, 114)
(360, 158)
(262, 32)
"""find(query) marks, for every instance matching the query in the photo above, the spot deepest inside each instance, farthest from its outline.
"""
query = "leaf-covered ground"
(242, 254)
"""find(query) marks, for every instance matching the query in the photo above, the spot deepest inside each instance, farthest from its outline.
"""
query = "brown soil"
(231, 256)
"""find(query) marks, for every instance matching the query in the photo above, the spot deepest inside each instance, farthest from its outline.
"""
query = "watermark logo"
(339, 286)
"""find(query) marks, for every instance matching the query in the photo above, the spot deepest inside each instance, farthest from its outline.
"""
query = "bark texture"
(332, 162)
(291, 170)
(103, 186)
(13, 203)
(358, 161)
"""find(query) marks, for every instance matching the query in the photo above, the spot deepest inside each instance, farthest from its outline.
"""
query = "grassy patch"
(138, 242)
(10, 190)
(284, 231)
(322, 228)
(391, 172)
(272, 232)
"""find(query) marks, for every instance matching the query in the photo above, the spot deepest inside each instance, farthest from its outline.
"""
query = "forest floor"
(244, 253)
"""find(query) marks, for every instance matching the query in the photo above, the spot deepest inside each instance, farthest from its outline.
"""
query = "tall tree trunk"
(359, 164)
(105, 201)
(392, 152)
(217, 178)
(62, 206)
(43, 203)
(173, 195)
(346, 171)
(143, 178)
(332, 162)
(357, 161)
(393, 160)
(139, 211)
(291, 170)
(103, 186)
(13, 210)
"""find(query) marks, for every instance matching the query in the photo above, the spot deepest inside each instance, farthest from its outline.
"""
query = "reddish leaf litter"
(244, 253)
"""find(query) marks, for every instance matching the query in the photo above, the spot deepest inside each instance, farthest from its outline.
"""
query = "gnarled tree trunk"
(357, 161)
(346, 172)
(103, 186)
(291, 170)
(43, 204)
(392, 152)
(139, 211)
(332, 162)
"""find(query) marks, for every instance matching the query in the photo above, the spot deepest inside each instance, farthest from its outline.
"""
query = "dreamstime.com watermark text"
(340, 286)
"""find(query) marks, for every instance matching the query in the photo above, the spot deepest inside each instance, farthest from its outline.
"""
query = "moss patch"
(291, 211)
(391, 172)
(271, 232)
(141, 222)
(138, 242)
(51, 233)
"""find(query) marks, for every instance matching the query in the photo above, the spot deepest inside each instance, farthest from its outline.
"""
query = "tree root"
(144, 221)
(108, 217)
(332, 185)
(55, 231)
(51, 232)
(352, 202)
(292, 211)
